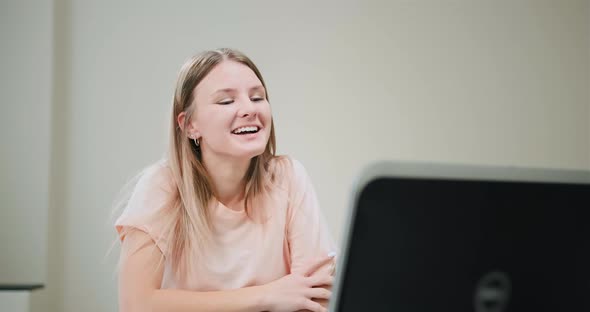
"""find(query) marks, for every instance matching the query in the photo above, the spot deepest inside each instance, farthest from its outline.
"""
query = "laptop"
(435, 237)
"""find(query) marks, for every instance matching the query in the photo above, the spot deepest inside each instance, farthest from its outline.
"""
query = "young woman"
(222, 223)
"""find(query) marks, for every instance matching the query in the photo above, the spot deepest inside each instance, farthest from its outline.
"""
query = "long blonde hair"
(187, 217)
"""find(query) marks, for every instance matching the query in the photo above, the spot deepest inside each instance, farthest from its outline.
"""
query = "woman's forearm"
(239, 300)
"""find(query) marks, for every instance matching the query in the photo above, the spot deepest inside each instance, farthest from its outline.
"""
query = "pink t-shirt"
(246, 253)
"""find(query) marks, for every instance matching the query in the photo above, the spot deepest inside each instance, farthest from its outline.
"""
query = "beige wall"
(25, 105)
(350, 82)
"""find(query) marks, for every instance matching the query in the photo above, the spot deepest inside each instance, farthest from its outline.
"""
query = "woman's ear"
(190, 127)
(180, 120)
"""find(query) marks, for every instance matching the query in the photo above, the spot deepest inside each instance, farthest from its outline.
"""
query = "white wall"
(492, 82)
(25, 105)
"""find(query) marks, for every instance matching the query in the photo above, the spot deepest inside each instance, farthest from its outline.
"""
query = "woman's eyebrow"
(232, 90)
(257, 88)
(225, 90)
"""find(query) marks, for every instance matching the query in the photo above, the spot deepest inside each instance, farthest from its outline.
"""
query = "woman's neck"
(229, 180)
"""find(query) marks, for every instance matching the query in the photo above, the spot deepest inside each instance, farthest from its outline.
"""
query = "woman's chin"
(255, 153)
(249, 153)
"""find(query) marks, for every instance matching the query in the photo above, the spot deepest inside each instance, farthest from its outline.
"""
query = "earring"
(192, 136)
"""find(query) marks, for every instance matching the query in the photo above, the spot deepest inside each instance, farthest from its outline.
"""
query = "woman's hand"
(296, 291)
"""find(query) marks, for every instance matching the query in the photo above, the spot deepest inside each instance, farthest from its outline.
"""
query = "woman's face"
(232, 117)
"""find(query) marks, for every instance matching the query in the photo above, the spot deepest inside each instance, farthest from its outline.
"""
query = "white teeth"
(243, 129)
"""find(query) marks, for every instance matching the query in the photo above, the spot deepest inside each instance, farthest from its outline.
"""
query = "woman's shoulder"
(155, 179)
(286, 168)
(151, 195)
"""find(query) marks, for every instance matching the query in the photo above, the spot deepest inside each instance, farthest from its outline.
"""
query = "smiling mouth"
(246, 130)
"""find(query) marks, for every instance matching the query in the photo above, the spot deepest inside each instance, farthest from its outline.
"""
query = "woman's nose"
(247, 108)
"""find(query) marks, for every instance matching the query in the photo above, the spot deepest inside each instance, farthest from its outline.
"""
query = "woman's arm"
(141, 275)
(307, 231)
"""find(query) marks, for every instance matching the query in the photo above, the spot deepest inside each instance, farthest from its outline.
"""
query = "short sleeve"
(308, 234)
(149, 205)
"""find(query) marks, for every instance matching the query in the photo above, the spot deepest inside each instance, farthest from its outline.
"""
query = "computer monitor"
(431, 237)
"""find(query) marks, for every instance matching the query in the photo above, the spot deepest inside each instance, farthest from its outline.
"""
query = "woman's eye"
(257, 99)
(225, 102)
